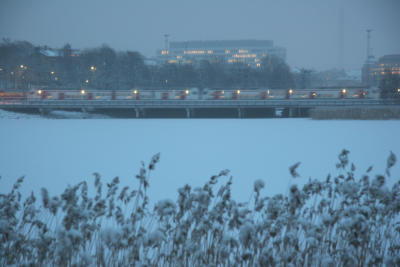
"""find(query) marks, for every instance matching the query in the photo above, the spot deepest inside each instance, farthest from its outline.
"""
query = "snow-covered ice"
(55, 153)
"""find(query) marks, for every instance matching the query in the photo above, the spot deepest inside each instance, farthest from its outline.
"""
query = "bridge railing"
(24, 103)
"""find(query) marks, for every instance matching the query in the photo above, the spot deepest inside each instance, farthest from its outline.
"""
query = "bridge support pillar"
(291, 112)
(44, 112)
(240, 113)
(188, 113)
(294, 112)
(137, 111)
(279, 112)
(85, 113)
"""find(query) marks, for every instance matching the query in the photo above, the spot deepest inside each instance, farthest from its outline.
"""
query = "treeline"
(22, 65)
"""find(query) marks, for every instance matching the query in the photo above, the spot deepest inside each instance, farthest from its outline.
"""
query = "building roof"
(50, 52)
(390, 59)
(221, 44)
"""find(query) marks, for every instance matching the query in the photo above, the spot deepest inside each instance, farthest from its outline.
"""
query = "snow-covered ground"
(55, 114)
(55, 153)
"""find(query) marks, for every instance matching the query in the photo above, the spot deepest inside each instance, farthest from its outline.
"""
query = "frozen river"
(54, 153)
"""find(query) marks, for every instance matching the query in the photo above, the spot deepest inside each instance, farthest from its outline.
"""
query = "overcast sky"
(308, 29)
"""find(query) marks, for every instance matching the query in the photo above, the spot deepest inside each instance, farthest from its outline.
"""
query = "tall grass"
(339, 221)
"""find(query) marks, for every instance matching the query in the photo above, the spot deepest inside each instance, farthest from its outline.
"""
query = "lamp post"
(52, 73)
(93, 70)
(21, 72)
(3, 80)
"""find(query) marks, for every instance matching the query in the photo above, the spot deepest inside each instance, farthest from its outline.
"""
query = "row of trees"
(23, 64)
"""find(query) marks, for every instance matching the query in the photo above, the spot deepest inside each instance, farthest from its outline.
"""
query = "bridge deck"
(129, 104)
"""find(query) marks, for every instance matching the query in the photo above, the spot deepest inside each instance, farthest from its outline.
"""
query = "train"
(189, 94)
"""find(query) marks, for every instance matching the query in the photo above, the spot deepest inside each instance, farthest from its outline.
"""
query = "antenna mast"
(341, 39)
(370, 57)
(166, 41)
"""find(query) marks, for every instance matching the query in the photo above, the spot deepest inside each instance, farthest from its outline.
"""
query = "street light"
(93, 68)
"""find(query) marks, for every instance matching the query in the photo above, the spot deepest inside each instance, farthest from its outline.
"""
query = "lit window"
(194, 52)
(245, 56)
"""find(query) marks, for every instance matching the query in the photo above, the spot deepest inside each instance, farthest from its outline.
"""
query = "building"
(54, 53)
(389, 64)
(372, 72)
(249, 52)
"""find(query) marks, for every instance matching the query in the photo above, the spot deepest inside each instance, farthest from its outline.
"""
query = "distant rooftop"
(50, 52)
(220, 43)
(390, 59)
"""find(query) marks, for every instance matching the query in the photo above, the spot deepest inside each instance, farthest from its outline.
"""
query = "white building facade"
(249, 52)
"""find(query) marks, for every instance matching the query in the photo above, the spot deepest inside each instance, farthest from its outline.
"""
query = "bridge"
(195, 108)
